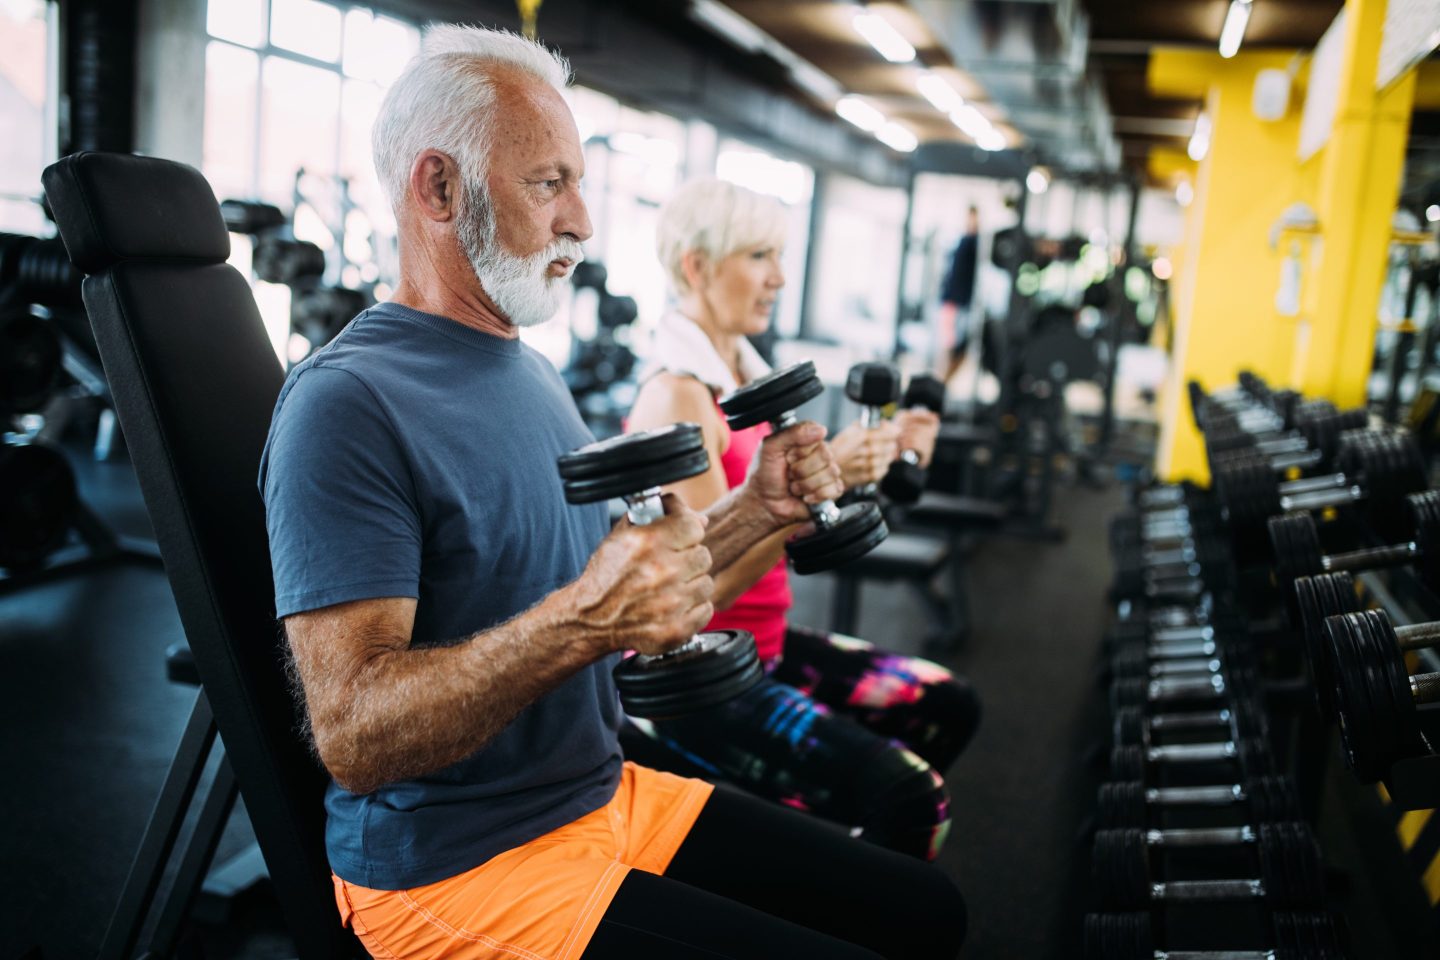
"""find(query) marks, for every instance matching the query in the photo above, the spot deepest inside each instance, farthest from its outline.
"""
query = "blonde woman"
(850, 732)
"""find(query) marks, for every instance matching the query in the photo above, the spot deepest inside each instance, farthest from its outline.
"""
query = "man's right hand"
(648, 588)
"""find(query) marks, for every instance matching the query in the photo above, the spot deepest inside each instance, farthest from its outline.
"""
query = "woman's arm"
(745, 544)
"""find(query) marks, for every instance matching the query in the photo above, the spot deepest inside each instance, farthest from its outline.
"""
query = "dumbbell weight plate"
(904, 481)
(714, 667)
(1118, 936)
(630, 463)
(1290, 865)
(1425, 521)
(30, 361)
(771, 396)
(1379, 723)
(1317, 598)
(1297, 547)
(859, 529)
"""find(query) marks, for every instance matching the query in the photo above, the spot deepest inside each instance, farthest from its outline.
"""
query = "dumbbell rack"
(1219, 622)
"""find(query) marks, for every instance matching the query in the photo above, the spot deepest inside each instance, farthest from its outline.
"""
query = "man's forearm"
(415, 711)
(738, 522)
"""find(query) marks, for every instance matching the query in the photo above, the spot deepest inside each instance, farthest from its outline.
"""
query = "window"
(23, 133)
(292, 86)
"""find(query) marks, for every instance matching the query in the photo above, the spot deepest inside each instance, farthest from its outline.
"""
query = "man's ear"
(435, 186)
(695, 265)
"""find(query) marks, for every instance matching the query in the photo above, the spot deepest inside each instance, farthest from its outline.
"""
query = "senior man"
(453, 623)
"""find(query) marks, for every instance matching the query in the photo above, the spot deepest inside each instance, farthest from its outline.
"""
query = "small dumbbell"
(1379, 468)
(1132, 725)
(1137, 663)
(873, 387)
(905, 480)
(1375, 696)
(1290, 871)
(840, 535)
(1132, 761)
(710, 668)
(1130, 936)
(1128, 691)
(1126, 803)
(1298, 553)
(1319, 426)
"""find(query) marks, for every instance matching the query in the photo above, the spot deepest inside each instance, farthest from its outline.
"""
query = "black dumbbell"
(1290, 871)
(1315, 439)
(1126, 803)
(1375, 697)
(1317, 599)
(905, 480)
(30, 360)
(1298, 552)
(1379, 468)
(1132, 725)
(1130, 936)
(1134, 691)
(873, 387)
(1136, 663)
(1132, 761)
(840, 535)
(710, 668)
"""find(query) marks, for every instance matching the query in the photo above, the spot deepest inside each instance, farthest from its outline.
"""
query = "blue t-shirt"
(415, 457)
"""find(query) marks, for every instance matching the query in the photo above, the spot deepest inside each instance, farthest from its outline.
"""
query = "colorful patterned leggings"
(851, 733)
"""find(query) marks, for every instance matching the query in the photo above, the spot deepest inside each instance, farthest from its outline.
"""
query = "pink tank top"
(761, 609)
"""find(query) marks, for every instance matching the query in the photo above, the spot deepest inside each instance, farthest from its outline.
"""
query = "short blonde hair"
(717, 218)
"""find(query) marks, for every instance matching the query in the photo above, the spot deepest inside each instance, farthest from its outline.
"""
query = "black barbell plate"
(1290, 864)
(1121, 803)
(1121, 867)
(773, 395)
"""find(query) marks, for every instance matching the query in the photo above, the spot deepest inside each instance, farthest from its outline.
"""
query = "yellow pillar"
(1360, 176)
(1225, 318)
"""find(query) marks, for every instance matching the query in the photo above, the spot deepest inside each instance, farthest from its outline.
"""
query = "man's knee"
(911, 812)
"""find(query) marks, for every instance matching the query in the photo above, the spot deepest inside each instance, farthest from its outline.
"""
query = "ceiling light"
(729, 25)
(1036, 181)
(883, 37)
(941, 95)
(1432, 213)
(970, 120)
(860, 113)
(1200, 140)
(896, 137)
(992, 141)
(1162, 268)
(1184, 193)
(1234, 30)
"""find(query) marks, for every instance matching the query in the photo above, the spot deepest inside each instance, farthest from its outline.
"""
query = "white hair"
(445, 100)
(716, 218)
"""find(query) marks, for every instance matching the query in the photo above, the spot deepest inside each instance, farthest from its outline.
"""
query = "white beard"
(518, 286)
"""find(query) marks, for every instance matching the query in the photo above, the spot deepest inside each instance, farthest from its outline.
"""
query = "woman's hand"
(865, 453)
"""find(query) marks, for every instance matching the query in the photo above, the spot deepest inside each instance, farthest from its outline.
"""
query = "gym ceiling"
(1062, 80)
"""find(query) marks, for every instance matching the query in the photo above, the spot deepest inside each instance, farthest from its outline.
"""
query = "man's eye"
(552, 184)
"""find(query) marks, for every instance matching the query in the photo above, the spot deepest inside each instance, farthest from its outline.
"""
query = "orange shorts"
(539, 901)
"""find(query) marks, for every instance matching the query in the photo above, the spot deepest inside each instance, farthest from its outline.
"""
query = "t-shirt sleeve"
(340, 504)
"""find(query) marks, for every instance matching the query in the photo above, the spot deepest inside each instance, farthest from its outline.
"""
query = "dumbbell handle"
(1319, 499)
(1329, 481)
(1220, 795)
(825, 512)
(1200, 837)
(1190, 720)
(1185, 666)
(1174, 688)
(1213, 955)
(1201, 631)
(1191, 752)
(1371, 558)
(645, 508)
(1207, 890)
(1181, 651)
(1425, 687)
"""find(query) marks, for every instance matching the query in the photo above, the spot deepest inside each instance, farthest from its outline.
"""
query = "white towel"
(680, 346)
